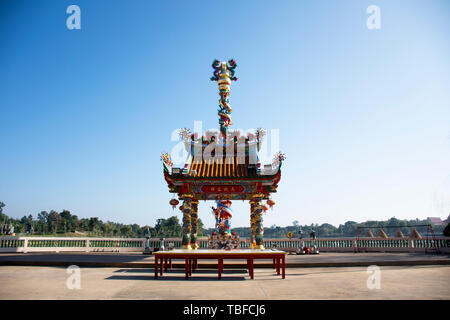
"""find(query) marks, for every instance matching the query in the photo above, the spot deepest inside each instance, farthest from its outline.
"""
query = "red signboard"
(222, 189)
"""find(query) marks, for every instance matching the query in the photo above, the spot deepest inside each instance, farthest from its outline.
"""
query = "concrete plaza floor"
(396, 282)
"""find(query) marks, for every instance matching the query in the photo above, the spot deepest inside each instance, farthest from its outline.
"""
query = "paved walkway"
(138, 260)
(417, 282)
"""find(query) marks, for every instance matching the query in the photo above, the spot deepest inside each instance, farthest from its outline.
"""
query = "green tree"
(126, 231)
(53, 220)
(2, 205)
(350, 228)
(25, 224)
(65, 221)
(93, 224)
(107, 229)
(84, 224)
(3, 218)
(170, 227)
(42, 224)
(135, 228)
(326, 230)
(201, 228)
(74, 223)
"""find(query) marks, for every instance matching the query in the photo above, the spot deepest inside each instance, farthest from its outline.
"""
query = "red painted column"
(220, 264)
(156, 267)
(284, 267)
(278, 266)
(186, 262)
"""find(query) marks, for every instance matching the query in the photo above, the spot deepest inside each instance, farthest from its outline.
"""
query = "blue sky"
(363, 114)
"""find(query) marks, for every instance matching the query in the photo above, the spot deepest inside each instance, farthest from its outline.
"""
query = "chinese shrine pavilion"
(222, 166)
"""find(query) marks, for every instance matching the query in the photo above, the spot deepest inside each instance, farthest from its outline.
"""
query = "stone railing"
(365, 244)
(61, 244)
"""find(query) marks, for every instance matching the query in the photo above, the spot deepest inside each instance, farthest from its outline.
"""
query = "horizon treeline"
(65, 223)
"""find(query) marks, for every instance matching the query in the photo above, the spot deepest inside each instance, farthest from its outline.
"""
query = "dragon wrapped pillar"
(194, 224)
(252, 224)
(224, 74)
(257, 222)
(186, 229)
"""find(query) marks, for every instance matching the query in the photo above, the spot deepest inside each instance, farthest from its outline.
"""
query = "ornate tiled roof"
(221, 167)
(226, 167)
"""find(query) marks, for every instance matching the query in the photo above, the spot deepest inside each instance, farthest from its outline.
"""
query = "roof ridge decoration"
(278, 160)
(224, 74)
(167, 162)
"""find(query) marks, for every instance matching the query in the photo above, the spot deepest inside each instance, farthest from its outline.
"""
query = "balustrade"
(55, 244)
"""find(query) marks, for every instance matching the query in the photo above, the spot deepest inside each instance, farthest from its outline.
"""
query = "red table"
(163, 259)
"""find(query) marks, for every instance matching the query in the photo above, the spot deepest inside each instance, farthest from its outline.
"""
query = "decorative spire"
(224, 74)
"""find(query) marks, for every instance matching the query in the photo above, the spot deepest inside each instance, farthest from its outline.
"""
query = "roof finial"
(224, 74)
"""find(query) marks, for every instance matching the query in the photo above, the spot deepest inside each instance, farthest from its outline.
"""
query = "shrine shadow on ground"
(178, 275)
(103, 257)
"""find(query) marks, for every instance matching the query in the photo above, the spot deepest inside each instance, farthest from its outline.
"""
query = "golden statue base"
(194, 246)
(259, 246)
(186, 246)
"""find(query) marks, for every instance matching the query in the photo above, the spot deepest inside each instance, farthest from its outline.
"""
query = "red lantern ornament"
(265, 208)
(174, 203)
(181, 208)
(271, 203)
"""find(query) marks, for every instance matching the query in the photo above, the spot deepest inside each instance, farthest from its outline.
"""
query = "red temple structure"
(223, 166)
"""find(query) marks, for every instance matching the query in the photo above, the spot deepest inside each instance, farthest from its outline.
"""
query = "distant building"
(437, 221)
